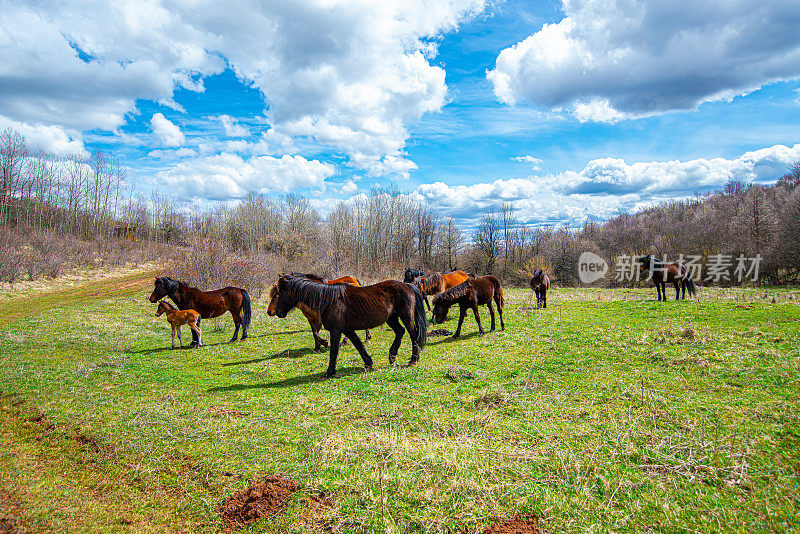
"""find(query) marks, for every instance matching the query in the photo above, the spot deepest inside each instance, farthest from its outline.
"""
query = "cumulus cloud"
(166, 132)
(233, 128)
(52, 139)
(229, 176)
(607, 185)
(608, 61)
(351, 75)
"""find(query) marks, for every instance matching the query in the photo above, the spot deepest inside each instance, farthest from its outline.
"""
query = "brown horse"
(662, 273)
(540, 283)
(310, 314)
(177, 318)
(472, 293)
(435, 283)
(208, 303)
(343, 309)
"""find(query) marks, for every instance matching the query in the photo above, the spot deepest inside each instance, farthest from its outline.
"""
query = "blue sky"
(566, 111)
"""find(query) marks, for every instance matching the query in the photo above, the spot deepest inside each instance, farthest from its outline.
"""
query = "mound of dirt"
(521, 524)
(260, 500)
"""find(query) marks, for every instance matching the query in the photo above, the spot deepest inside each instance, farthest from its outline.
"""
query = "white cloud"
(352, 75)
(534, 162)
(606, 185)
(233, 128)
(229, 176)
(608, 61)
(166, 132)
(52, 139)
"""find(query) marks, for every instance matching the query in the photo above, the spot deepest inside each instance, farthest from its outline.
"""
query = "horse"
(208, 303)
(177, 318)
(662, 273)
(471, 293)
(540, 283)
(411, 274)
(312, 316)
(343, 309)
(434, 283)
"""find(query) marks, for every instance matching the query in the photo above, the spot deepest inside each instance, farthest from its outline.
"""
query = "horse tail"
(246, 311)
(420, 337)
(500, 295)
(358, 282)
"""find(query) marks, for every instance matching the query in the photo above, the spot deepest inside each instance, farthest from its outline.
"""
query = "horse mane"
(310, 276)
(170, 285)
(454, 293)
(315, 295)
(273, 291)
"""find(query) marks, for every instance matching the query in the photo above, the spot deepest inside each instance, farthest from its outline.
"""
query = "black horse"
(540, 283)
(207, 303)
(344, 309)
(411, 274)
(470, 294)
(662, 273)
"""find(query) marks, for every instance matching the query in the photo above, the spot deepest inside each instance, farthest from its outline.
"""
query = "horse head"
(644, 262)
(440, 309)
(286, 300)
(164, 286)
(273, 299)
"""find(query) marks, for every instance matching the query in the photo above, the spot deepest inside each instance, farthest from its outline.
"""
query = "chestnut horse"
(662, 273)
(434, 283)
(472, 293)
(540, 283)
(177, 318)
(343, 309)
(310, 314)
(208, 304)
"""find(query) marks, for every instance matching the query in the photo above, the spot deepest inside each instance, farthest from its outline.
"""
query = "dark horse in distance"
(208, 304)
(540, 283)
(411, 274)
(663, 273)
(344, 309)
(472, 293)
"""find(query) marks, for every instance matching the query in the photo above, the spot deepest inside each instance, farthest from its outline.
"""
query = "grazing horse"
(208, 303)
(177, 318)
(313, 317)
(434, 283)
(343, 309)
(470, 294)
(411, 274)
(540, 283)
(662, 273)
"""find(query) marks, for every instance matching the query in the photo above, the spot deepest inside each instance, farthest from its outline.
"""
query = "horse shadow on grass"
(289, 382)
(451, 339)
(287, 353)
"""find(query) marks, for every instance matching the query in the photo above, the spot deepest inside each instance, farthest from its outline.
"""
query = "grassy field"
(606, 412)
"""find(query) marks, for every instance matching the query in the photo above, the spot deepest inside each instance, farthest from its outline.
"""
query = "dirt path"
(12, 310)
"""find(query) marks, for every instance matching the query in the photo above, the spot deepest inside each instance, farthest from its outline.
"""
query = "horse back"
(486, 287)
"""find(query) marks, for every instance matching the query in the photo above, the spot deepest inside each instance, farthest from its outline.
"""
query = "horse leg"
(677, 286)
(407, 320)
(195, 338)
(173, 338)
(336, 336)
(428, 304)
(360, 348)
(461, 314)
(367, 335)
(491, 314)
(544, 297)
(394, 324)
(199, 334)
(237, 321)
(180, 339)
(658, 290)
(477, 319)
(664, 291)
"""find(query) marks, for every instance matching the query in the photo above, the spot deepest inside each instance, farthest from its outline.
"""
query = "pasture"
(608, 411)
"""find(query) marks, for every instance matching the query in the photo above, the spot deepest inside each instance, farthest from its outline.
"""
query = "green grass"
(608, 411)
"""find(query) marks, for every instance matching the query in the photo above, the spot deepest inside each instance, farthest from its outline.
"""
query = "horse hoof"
(412, 362)
(367, 368)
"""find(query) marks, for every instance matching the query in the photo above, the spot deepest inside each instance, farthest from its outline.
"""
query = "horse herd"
(343, 306)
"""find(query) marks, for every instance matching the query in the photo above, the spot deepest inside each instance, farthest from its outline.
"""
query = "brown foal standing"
(178, 318)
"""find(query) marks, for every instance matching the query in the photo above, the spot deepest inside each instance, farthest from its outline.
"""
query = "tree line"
(378, 234)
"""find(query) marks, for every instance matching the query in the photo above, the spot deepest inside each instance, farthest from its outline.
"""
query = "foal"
(472, 293)
(176, 318)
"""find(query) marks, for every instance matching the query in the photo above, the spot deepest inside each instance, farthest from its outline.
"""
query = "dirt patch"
(260, 500)
(440, 332)
(521, 524)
